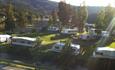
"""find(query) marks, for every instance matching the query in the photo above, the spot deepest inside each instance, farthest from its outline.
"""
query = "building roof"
(105, 49)
(75, 45)
(5, 35)
(25, 38)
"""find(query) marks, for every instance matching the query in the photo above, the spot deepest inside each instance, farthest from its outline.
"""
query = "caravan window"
(99, 53)
(29, 42)
(22, 41)
(56, 47)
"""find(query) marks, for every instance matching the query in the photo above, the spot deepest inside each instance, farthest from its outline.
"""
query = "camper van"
(104, 52)
(23, 41)
(59, 46)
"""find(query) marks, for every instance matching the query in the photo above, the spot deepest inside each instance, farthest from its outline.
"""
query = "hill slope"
(46, 6)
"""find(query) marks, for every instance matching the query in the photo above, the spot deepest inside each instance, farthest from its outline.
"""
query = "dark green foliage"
(66, 59)
(104, 17)
(79, 17)
(9, 23)
(82, 17)
(54, 16)
(17, 17)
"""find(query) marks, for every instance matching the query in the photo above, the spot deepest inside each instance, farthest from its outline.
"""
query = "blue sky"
(90, 2)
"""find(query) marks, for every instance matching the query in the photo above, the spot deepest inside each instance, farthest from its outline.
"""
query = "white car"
(59, 46)
(104, 52)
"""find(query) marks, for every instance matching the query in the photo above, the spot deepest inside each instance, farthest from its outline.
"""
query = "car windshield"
(57, 34)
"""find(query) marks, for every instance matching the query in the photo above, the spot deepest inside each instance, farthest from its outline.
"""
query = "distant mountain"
(92, 13)
(46, 6)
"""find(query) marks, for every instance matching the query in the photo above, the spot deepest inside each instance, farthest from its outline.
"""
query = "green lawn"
(112, 45)
(46, 40)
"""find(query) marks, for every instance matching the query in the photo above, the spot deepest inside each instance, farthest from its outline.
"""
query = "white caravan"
(24, 41)
(69, 31)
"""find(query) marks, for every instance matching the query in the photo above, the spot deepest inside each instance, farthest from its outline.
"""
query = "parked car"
(104, 52)
(58, 47)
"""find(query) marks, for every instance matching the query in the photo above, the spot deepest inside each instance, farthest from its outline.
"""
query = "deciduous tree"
(64, 13)
(82, 17)
(9, 23)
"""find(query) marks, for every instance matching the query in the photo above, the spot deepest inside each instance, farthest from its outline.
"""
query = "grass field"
(46, 40)
(112, 45)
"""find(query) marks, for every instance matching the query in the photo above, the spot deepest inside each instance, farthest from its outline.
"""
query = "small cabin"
(104, 52)
(24, 41)
(58, 47)
(5, 38)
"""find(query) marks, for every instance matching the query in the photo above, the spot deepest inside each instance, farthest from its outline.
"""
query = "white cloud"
(90, 2)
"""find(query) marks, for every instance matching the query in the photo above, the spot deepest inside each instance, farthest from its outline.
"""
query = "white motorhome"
(84, 36)
(105, 34)
(53, 28)
(69, 31)
(5, 38)
(24, 41)
(104, 52)
(59, 46)
(92, 34)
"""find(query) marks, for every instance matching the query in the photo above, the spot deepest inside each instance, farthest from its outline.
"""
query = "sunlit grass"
(82, 33)
(46, 40)
(47, 37)
(52, 41)
(112, 45)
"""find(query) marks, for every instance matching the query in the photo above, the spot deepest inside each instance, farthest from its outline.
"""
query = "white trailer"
(24, 41)
(69, 31)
